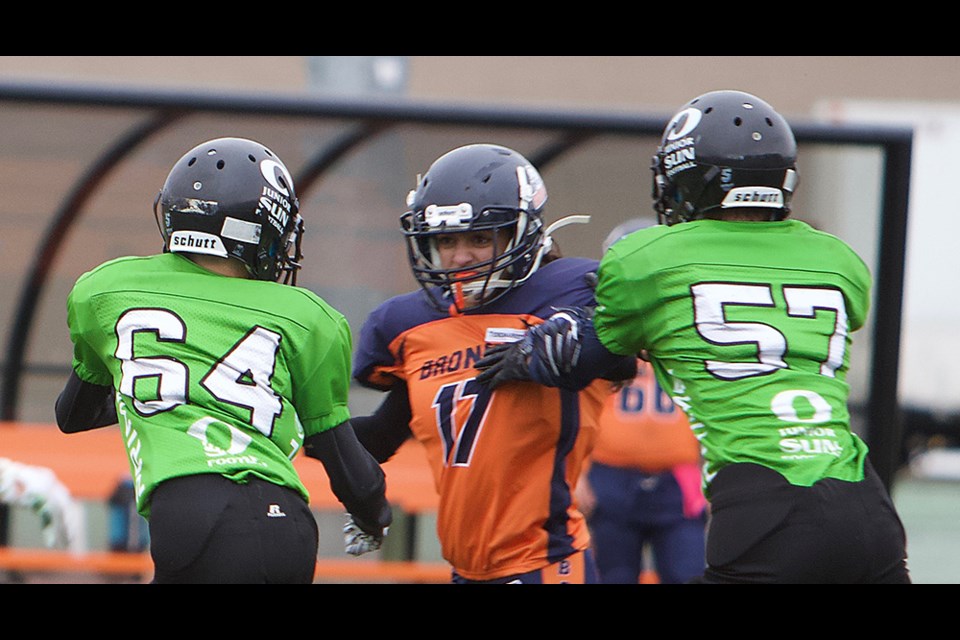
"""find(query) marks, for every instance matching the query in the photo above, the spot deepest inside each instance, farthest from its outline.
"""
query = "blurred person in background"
(37, 488)
(641, 490)
(746, 317)
(219, 376)
(505, 464)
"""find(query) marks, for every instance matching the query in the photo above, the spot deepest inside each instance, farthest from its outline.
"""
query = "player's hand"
(557, 341)
(585, 496)
(357, 542)
(555, 345)
(505, 362)
(591, 278)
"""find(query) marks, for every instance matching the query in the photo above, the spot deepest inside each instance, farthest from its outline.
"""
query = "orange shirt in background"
(642, 428)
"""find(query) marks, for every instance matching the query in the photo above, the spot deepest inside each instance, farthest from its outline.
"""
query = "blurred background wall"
(796, 85)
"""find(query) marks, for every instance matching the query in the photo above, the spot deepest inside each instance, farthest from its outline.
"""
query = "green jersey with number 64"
(213, 374)
(748, 326)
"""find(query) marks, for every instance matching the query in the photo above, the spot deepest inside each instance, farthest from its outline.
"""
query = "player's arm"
(82, 406)
(564, 352)
(356, 479)
(386, 429)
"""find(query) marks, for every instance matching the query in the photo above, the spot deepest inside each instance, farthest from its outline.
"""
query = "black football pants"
(763, 529)
(209, 529)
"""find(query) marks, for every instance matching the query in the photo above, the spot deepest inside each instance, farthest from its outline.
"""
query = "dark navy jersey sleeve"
(384, 324)
(561, 283)
(564, 283)
(595, 361)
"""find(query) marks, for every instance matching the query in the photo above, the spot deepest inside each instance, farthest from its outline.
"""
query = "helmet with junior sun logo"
(233, 198)
(721, 150)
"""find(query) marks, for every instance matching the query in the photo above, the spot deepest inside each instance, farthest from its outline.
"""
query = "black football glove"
(551, 349)
(591, 278)
(557, 342)
(505, 362)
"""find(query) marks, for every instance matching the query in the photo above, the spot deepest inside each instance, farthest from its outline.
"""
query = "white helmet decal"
(533, 193)
(270, 168)
(689, 118)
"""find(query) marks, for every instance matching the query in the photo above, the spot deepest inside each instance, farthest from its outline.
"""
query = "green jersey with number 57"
(748, 325)
(213, 374)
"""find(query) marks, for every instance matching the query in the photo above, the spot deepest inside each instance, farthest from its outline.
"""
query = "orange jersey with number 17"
(504, 462)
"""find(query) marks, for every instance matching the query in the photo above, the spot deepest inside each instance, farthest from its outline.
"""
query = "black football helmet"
(471, 188)
(724, 149)
(233, 198)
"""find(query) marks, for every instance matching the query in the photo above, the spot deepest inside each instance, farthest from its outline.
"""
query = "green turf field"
(930, 510)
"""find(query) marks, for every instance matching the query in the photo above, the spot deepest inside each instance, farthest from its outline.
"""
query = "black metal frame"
(373, 117)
